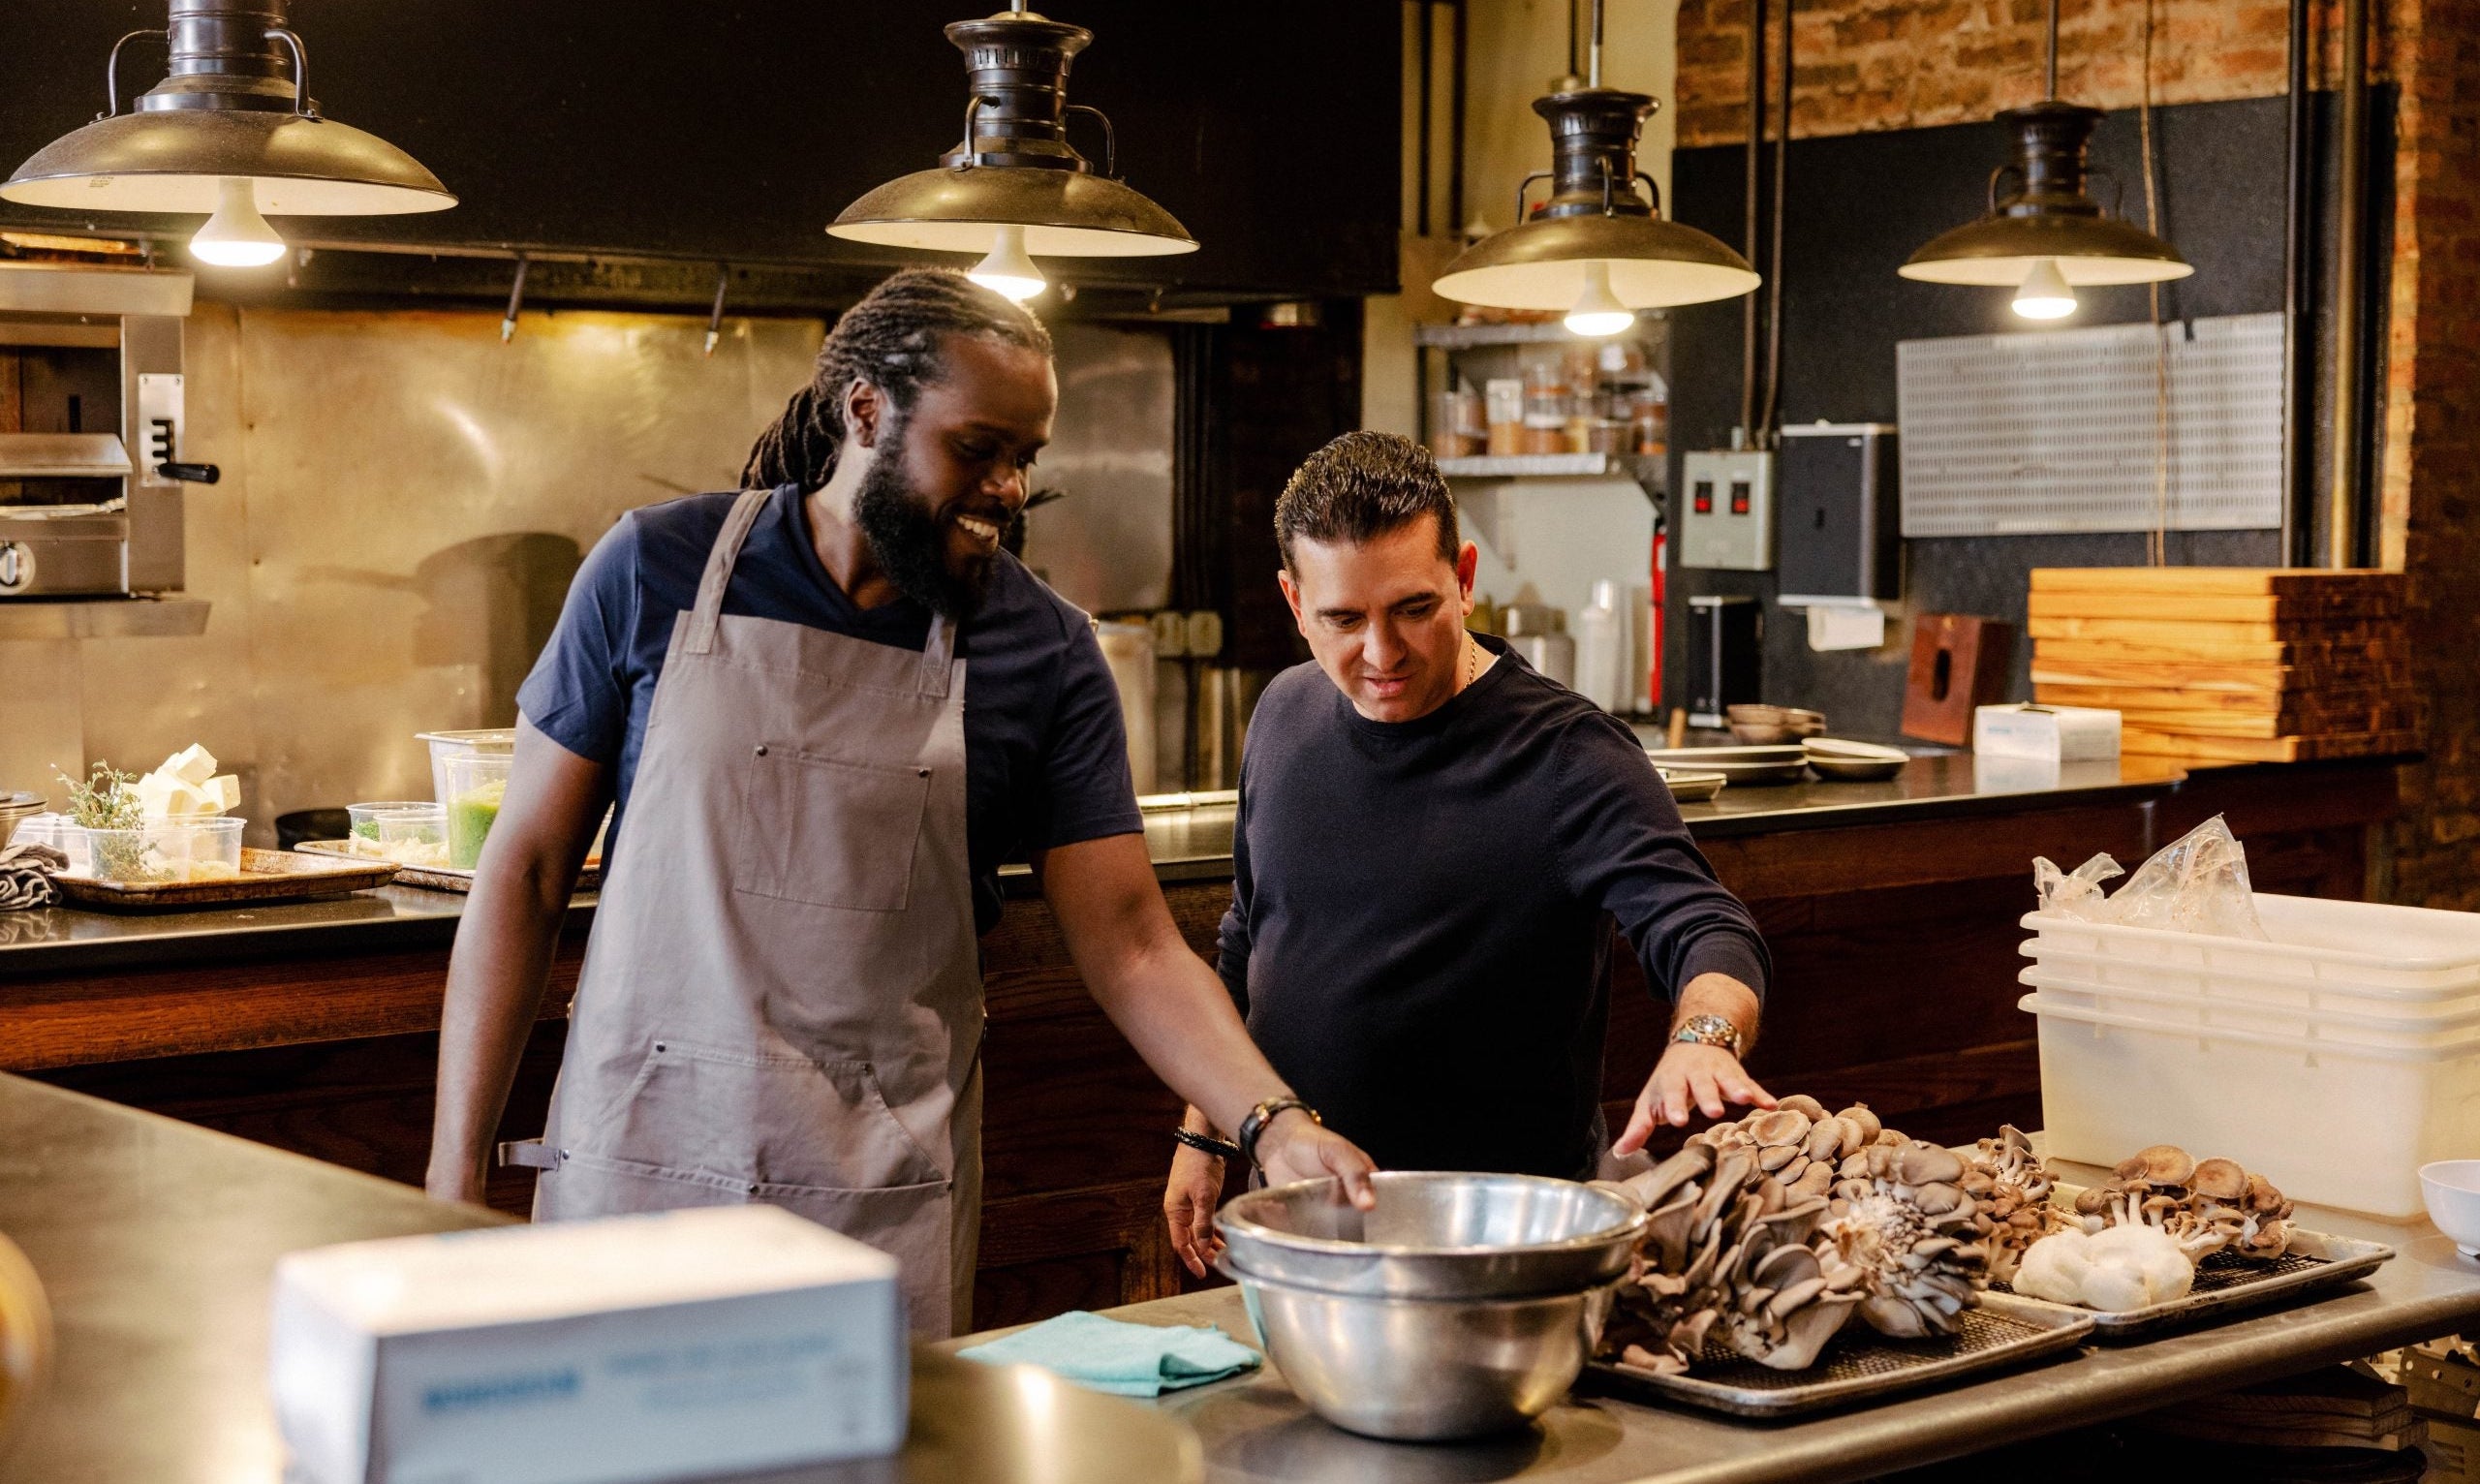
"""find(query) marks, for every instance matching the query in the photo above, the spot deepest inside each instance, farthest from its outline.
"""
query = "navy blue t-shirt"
(1045, 759)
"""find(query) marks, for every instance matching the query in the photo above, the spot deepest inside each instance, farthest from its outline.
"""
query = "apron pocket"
(831, 833)
(752, 1120)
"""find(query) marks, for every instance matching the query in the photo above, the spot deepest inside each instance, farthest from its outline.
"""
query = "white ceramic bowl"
(2452, 1190)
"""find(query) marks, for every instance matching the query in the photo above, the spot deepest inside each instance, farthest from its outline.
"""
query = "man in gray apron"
(825, 708)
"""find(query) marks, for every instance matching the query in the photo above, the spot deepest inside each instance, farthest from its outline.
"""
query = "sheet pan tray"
(1859, 1366)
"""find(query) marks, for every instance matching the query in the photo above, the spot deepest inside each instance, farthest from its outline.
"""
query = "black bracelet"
(1267, 1113)
(1208, 1144)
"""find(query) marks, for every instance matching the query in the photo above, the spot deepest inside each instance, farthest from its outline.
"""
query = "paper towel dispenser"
(1838, 535)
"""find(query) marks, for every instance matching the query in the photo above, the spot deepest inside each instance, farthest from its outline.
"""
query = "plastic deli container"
(2330, 1121)
(489, 741)
(159, 852)
(476, 781)
(410, 832)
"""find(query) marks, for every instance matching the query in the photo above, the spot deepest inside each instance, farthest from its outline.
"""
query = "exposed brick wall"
(1869, 65)
(1865, 65)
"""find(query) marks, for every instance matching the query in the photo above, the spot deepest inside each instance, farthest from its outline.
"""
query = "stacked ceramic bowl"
(1462, 1305)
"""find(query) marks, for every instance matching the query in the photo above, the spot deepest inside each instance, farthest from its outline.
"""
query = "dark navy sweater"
(1416, 928)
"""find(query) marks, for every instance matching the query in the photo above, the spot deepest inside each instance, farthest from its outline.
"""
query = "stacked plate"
(16, 808)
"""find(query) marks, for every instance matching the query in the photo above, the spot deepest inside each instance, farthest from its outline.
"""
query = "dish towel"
(26, 875)
(1126, 1360)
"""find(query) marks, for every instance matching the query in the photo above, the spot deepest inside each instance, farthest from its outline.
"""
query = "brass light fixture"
(1597, 248)
(2049, 235)
(232, 131)
(1015, 188)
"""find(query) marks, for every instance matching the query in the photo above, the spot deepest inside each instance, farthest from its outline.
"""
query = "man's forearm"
(1719, 993)
(496, 979)
(1178, 1015)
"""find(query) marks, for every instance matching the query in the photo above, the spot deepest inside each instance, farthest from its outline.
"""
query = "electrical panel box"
(1840, 532)
(1727, 511)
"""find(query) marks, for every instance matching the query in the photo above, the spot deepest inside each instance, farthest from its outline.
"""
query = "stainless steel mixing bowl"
(1424, 1369)
(1435, 1235)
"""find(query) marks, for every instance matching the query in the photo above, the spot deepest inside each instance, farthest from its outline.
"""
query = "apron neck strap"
(709, 612)
(937, 651)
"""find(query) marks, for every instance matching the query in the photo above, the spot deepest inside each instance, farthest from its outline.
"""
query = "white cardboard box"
(2052, 734)
(689, 1342)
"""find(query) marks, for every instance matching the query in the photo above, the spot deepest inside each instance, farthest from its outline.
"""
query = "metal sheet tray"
(440, 878)
(1859, 1365)
(2226, 1284)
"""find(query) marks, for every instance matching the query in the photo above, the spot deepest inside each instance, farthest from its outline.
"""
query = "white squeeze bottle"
(1598, 647)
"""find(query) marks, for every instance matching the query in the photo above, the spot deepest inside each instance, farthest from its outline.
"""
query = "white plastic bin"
(2369, 947)
(2339, 1017)
(2330, 1123)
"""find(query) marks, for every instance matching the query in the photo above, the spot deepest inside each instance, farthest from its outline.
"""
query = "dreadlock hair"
(893, 339)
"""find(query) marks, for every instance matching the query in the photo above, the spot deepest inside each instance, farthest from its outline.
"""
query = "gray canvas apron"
(782, 997)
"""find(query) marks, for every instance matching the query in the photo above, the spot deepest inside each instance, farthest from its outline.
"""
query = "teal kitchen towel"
(1128, 1360)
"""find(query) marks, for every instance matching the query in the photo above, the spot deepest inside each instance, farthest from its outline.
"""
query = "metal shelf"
(1650, 470)
(102, 618)
(1465, 337)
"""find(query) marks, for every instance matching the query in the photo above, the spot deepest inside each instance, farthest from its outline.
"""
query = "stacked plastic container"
(2336, 1058)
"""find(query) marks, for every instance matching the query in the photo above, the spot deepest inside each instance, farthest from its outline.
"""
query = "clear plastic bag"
(2197, 883)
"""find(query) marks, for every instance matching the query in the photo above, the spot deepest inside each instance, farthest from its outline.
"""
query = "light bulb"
(237, 237)
(2046, 295)
(1005, 269)
(1597, 310)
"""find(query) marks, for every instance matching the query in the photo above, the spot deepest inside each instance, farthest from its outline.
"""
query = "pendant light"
(1597, 248)
(232, 131)
(2049, 235)
(1015, 188)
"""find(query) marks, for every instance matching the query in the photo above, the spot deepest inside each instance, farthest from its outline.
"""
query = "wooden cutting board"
(2138, 742)
(2213, 607)
(2200, 676)
(2282, 581)
(266, 875)
(2187, 635)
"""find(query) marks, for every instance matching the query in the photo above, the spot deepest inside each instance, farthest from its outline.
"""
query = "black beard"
(909, 543)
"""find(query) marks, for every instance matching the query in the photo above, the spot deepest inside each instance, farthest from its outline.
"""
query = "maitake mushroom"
(2010, 1195)
(1730, 1254)
(2209, 1205)
(1770, 1232)
(1900, 1215)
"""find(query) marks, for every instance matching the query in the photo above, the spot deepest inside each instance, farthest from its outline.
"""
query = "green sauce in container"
(469, 817)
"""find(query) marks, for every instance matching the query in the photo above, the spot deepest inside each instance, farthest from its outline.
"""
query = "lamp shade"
(1596, 223)
(2049, 217)
(1016, 167)
(231, 109)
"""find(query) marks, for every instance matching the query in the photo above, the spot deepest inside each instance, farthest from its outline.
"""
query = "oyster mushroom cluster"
(1730, 1254)
(2206, 1205)
(2010, 1195)
(1902, 1217)
(1799, 1143)
(1771, 1233)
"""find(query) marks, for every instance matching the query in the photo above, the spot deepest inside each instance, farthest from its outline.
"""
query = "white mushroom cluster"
(2207, 1205)
(1900, 1215)
(2131, 1265)
(2010, 1195)
(1771, 1233)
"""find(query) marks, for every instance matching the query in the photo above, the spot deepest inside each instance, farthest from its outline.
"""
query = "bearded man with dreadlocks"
(822, 711)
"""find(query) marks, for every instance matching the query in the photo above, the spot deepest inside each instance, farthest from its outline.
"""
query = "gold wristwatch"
(1708, 1031)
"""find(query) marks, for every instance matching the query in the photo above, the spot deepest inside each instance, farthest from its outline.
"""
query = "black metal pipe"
(1455, 130)
(2299, 342)
(2348, 458)
(1756, 149)
(1768, 412)
(1421, 171)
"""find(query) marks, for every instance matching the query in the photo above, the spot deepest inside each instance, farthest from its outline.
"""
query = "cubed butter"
(223, 793)
(163, 796)
(687, 1343)
(193, 765)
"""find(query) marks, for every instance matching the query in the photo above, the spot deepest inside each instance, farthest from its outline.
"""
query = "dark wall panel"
(738, 130)
(1858, 205)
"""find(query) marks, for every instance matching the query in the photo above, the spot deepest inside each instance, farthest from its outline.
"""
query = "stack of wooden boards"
(2230, 663)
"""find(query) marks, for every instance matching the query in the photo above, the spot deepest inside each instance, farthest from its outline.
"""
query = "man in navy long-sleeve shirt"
(1429, 835)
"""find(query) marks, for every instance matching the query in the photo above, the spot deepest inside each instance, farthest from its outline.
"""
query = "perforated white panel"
(2056, 430)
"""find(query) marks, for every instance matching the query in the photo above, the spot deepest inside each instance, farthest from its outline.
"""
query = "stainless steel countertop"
(1254, 1430)
(156, 1242)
